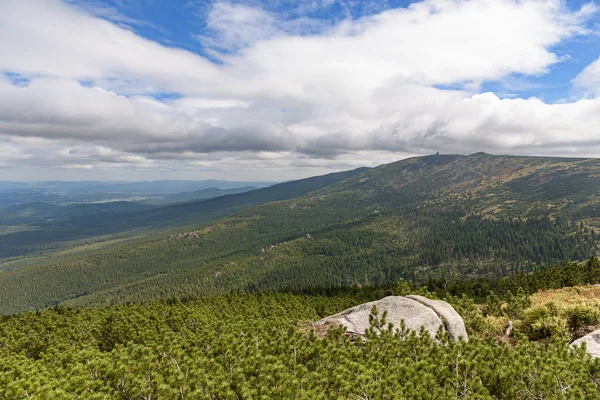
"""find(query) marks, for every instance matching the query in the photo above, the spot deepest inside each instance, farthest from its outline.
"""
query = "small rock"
(592, 341)
(185, 235)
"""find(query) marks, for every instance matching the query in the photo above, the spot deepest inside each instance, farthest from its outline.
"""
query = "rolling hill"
(53, 228)
(208, 193)
(442, 216)
(86, 192)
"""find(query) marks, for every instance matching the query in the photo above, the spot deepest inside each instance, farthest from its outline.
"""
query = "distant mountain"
(153, 192)
(27, 210)
(40, 213)
(439, 217)
(204, 210)
(208, 193)
(171, 186)
(141, 187)
(77, 222)
(480, 175)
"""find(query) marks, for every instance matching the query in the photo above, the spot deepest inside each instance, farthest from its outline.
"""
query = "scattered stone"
(592, 341)
(271, 247)
(509, 329)
(185, 235)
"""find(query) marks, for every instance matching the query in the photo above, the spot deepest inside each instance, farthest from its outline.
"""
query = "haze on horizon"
(256, 90)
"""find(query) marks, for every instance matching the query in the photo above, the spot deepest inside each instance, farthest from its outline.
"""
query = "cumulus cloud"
(231, 27)
(51, 38)
(287, 93)
(589, 79)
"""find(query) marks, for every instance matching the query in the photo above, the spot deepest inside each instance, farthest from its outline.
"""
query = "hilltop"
(439, 216)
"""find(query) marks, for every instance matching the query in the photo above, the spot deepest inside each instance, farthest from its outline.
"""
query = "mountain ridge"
(435, 216)
(51, 233)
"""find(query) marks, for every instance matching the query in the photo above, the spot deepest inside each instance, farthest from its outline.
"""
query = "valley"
(303, 200)
(432, 217)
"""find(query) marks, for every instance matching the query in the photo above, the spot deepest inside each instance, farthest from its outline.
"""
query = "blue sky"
(274, 90)
(178, 23)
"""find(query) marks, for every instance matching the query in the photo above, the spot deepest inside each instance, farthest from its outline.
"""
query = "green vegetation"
(207, 193)
(8, 229)
(243, 346)
(484, 233)
(58, 227)
(430, 218)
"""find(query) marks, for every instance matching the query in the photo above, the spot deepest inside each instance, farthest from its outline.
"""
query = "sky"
(281, 89)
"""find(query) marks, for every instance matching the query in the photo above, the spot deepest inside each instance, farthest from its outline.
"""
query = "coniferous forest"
(221, 306)
(258, 199)
(261, 345)
(432, 217)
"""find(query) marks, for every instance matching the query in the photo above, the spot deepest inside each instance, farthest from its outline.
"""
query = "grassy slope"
(442, 214)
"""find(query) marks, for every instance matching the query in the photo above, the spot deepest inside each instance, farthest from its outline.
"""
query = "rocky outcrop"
(414, 311)
(453, 322)
(592, 341)
(185, 235)
(271, 247)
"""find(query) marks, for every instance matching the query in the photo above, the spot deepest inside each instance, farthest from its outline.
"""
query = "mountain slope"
(524, 178)
(435, 216)
(215, 207)
(27, 210)
(81, 222)
(88, 192)
(207, 193)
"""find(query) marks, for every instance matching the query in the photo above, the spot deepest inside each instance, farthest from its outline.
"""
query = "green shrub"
(546, 322)
(580, 316)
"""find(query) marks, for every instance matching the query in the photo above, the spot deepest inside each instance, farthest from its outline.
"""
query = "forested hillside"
(208, 193)
(42, 228)
(434, 217)
(80, 192)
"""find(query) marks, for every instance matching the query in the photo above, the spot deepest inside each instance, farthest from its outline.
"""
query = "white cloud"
(50, 38)
(589, 79)
(232, 27)
(359, 90)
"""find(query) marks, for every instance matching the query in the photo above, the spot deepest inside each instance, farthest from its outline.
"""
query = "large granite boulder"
(592, 341)
(453, 322)
(416, 311)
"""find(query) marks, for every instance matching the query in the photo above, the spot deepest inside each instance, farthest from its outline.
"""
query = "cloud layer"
(296, 95)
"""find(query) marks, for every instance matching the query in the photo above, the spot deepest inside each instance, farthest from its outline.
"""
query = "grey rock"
(185, 235)
(453, 322)
(414, 313)
(592, 340)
